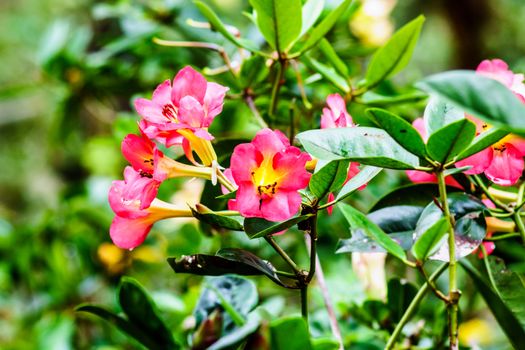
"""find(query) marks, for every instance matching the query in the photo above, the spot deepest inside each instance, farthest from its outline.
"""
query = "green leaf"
(359, 222)
(247, 258)
(319, 31)
(328, 73)
(253, 71)
(332, 56)
(400, 130)
(400, 295)
(280, 22)
(482, 97)
(414, 195)
(290, 333)
(365, 175)
(365, 145)
(397, 218)
(372, 98)
(211, 265)
(439, 113)
(510, 286)
(124, 325)
(258, 227)
(234, 294)
(395, 54)
(449, 141)
(359, 242)
(239, 334)
(217, 220)
(311, 11)
(507, 320)
(329, 178)
(428, 240)
(482, 141)
(217, 25)
(325, 344)
(142, 312)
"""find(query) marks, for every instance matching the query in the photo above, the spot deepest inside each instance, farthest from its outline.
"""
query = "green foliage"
(427, 241)
(258, 227)
(446, 143)
(329, 178)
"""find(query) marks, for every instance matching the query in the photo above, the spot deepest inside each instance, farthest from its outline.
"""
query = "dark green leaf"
(365, 145)
(142, 312)
(400, 295)
(217, 25)
(217, 220)
(253, 321)
(319, 31)
(428, 240)
(483, 141)
(439, 113)
(395, 54)
(359, 222)
(290, 333)
(124, 325)
(506, 319)
(415, 195)
(280, 22)
(446, 143)
(510, 286)
(359, 242)
(365, 174)
(480, 96)
(230, 195)
(329, 178)
(397, 218)
(247, 258)
(211, 265)
(400, 130)
(328, 73)
(257, 227)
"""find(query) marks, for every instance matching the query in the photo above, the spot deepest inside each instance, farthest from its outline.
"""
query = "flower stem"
(487, 267)
(488, 193)
(454, 293)
(251, 104)
(304, 303)
(277, 86)
(505, 236)
(283, 254)
(412, 307)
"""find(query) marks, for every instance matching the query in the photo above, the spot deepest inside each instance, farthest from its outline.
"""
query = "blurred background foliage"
(69, 72)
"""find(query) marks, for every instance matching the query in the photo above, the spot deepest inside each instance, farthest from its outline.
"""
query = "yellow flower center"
(265, 178)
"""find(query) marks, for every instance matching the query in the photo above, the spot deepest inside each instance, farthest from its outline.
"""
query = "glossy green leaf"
(332, 57)
(280, 22)
(510, 286)
(482, 141)
(397, 218)
(395, 54)
(290, 333)
(319, 31)
(239, 334)
(427, 241)
(211, 265)
(439, 113)
(507, 320)
(482, 97)
(414, 195)
(366, 174)
(217, 25)
(258, 227)
(132, 330)
(361, 243)
(142, 312)
(449, 141)
(328, 73)
(365, 145)
(312, 9)
(329, 178)
(359, 222)
(372, 98)
(400, 130)
(218, 221)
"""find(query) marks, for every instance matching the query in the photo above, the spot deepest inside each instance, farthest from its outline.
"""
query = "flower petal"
(270, 142)
(506, 166)
(162, 94)
(281, 206)
(213, 101)
(191, 112)
(290, 164)
(188, 82)
(129, 233)
(244, 160)
(139, 152)
(479, 161)
(150, 111)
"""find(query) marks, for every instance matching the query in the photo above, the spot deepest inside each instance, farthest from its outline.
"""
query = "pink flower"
(136, 208)
(269, 172)
(149, 161)
(191, 103)
(335, 115)
(421, 176)
(503, 162)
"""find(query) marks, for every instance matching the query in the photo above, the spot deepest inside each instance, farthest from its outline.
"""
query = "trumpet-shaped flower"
(191, 103)
(149, 161)
(136, 208)
(269, 172)
(503, 162)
